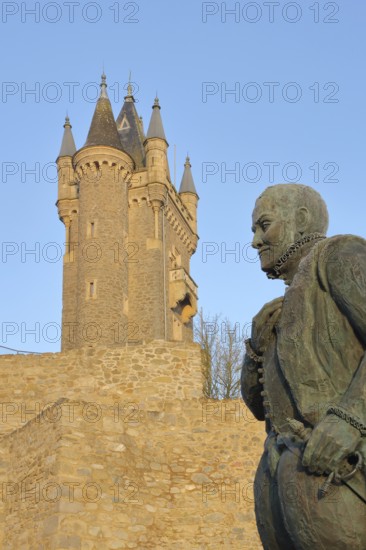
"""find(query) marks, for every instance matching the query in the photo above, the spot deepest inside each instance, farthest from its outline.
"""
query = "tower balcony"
(182, 294)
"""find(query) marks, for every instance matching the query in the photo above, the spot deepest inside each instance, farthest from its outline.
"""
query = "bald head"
(293, 197)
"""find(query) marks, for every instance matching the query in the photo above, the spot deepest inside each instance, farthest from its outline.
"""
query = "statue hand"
(263, 324)
(331, 441)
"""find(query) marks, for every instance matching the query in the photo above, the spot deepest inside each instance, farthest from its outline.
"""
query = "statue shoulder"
(336, 254)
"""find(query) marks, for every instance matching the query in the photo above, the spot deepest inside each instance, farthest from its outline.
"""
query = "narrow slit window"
(91, 290)
(90, 231)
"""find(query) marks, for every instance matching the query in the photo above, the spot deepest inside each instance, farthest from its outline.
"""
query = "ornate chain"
(292, 249)
(355, 422)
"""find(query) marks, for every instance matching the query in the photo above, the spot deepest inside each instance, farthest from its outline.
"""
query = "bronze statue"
(304, 374)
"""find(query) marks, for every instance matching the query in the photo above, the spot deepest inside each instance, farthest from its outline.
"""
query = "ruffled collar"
(275, 272)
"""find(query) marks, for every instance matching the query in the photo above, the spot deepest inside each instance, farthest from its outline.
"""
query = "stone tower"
(129, 233)
(115, 446)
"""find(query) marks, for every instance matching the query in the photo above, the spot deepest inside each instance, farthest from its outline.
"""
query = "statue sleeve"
(251, 388)
(346, 279)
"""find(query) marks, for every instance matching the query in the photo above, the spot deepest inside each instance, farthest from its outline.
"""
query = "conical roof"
(68, 148)
(156, 129)
(103, 129)
(130, 130)
(187, 183)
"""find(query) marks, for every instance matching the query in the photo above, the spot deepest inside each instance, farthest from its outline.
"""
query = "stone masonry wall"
(28, 477)
(145, 273)
(103, 221)
(118, 449)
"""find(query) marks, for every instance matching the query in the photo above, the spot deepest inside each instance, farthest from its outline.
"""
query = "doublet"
(321, 334)
(314, 360)
(277, 402)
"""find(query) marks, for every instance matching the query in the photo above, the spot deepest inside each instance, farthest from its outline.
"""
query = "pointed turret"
(68, 144)
(130, 130)
(156, 147)
(103, 129)
(67, 206)
(187, 183)
(156, 129)
(66, 176)
(188, 193)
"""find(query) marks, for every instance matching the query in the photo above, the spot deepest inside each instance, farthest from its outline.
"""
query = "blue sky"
(273, 92)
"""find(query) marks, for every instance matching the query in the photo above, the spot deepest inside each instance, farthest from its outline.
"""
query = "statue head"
(284, 214)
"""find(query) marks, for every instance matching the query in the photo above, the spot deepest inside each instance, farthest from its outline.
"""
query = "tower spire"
(187, 185)
(130, 129)
(188, 193)
(103, 129)
(156, 129)
(68, 144)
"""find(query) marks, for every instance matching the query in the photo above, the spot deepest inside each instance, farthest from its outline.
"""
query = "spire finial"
(103, 86)
(67, 122)
(156, 102)
(129, 87)
(129, 97)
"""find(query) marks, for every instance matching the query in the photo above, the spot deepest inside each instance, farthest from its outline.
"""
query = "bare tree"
(222, 354)
(205, 335)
